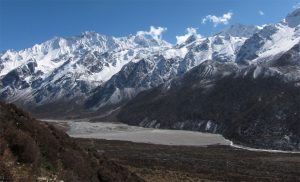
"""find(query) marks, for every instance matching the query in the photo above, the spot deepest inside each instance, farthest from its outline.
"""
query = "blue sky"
(24, 23)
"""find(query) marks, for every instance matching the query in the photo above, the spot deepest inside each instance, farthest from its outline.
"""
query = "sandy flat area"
(123, 132)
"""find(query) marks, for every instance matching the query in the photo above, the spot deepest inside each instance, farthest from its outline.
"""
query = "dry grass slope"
(31, 150)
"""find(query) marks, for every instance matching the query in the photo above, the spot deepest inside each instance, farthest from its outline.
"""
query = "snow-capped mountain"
(93, 70)
(64, 68)
(254, 106)
(251, 97)
(163, 66)
(239, 30)
(267, 43)
(292, 19)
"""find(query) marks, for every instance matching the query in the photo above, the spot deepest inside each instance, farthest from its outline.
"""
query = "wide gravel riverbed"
(123, 132)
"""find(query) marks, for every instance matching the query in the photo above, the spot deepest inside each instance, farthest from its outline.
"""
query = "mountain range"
(242, 82)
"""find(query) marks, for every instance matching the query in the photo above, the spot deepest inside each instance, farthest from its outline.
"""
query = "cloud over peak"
(190, 31)
(216, 20)
(155, 32)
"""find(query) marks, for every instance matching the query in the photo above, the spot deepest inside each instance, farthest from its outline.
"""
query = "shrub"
(23, 146)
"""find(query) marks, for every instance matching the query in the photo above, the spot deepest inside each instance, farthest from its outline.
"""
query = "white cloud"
(296, 6)
(190, 31)
(155, 32)
(260, 12)
(216, 20)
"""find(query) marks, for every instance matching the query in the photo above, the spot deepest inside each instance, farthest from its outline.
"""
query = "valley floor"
(118, 131)
(194, 163)
(193, 156)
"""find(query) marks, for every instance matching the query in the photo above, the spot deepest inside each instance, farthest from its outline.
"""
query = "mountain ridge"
(92, 71)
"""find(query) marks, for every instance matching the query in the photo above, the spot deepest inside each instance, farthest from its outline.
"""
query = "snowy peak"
(60, 49)
(67, 68)
(189, 37)
(240, 30)
(148, 41)
(293, 19)
(89, 34)
(268, 43)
